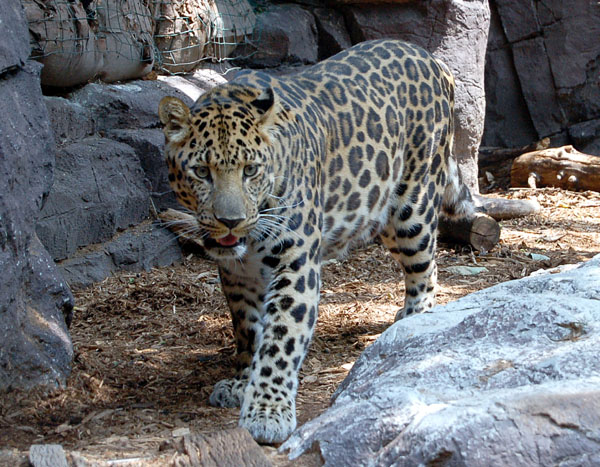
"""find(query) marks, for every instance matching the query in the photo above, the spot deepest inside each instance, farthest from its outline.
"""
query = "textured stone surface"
(533, 68)
(47, 455)
(148, 145)
(14, 50)
(34, 300)
(509, 375)
(130, 105)
(507, 119)
(454, 31)
(70, 121)
(556, 66)
(99, 188)
(586, 136)
(287, 34)
(98, 108)
(139, 248)
(332, 33)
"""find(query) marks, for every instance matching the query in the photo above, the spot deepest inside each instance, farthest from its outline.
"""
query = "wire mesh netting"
(188, 32)
(78, 40)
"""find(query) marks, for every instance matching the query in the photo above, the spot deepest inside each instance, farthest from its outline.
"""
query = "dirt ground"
(150, 346)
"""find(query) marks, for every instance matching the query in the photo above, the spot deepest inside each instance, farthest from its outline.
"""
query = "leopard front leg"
(245, 298)
(269, 406)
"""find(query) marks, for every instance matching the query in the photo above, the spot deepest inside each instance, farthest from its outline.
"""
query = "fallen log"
(498, 161)
(480, 231)
(563, 167)
(503, 209)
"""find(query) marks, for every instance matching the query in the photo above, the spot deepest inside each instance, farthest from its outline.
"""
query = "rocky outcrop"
(110, 178)
(35, 302)
(505, 376)
(98, 189)
(542, 74)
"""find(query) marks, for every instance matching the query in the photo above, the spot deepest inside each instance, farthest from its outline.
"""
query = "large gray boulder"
(505, 376)
(35, 302)
(455, 31)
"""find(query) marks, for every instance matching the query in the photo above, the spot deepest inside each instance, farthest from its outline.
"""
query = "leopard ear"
(265, 105)
(175, 116)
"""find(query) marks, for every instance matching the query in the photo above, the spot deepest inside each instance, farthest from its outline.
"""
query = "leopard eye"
(201, 171)
(250, 170)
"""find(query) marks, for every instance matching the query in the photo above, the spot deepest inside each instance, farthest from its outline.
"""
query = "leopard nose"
(231, 223)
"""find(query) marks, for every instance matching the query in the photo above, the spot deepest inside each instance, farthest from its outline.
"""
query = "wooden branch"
(480, 231)
(563, 167)
(502, 209)
(226, 447)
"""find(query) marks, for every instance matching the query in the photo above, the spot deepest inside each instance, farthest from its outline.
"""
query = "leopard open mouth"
(229, 241)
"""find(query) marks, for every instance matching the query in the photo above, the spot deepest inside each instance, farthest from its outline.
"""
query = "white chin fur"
(236, 252)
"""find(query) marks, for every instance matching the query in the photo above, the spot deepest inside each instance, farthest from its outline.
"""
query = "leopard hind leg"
(411, 237)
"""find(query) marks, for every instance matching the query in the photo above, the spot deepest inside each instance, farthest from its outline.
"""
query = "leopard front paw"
(228, 393)
(415, 308)
(269, 422)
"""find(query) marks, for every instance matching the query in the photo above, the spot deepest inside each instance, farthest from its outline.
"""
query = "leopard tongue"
(229, 240)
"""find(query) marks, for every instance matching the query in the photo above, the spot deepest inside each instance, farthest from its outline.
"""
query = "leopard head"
(219, 156)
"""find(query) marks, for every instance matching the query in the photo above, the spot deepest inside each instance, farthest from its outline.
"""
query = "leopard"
(281, 173)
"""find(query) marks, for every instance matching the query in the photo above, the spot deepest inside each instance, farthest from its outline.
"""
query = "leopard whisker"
(264, 230)
(279, 226)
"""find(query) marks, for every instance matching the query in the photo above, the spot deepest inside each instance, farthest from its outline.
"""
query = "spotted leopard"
(282, 173)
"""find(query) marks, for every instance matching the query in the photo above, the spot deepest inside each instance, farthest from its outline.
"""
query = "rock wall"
(543, 74)
(35, 302)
